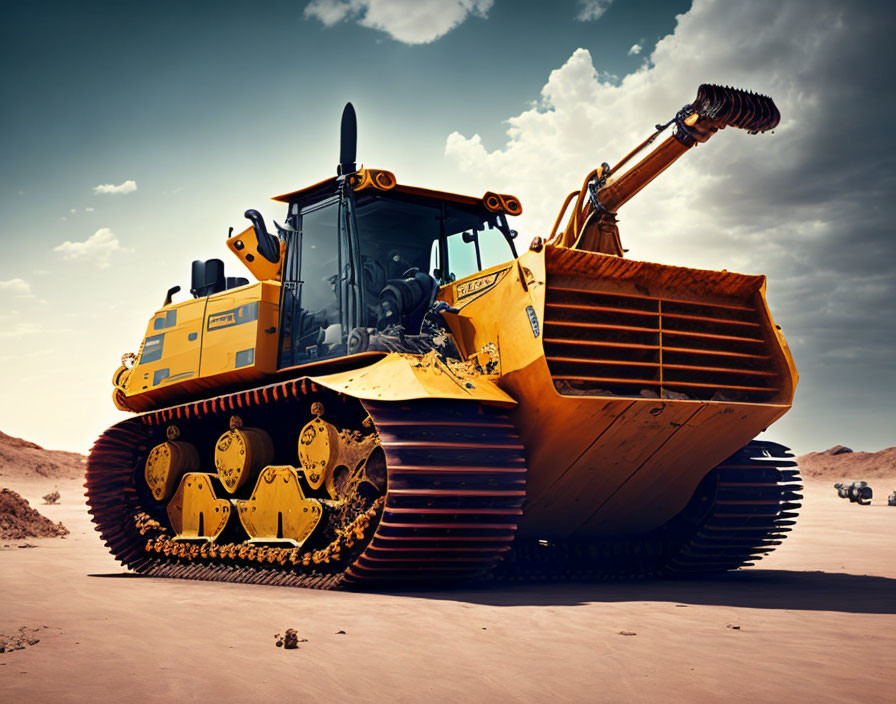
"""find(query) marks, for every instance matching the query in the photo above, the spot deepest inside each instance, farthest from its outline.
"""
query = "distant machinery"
(857, 492)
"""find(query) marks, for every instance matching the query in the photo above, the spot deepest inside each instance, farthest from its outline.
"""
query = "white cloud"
(17, 287)
(802, 205)
(635, 50)
(583, 117)
(88, 210)
(592, 9)
(408, 21)
(73, 210)
(98, 248)
(120, 189)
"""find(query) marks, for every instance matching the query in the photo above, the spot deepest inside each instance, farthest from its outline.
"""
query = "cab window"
(475, 249)
(312, 317)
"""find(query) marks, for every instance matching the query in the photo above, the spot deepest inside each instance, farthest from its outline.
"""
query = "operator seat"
(207, 277)
(405, 302)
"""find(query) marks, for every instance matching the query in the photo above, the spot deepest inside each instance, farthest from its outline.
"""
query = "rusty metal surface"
(697, 282)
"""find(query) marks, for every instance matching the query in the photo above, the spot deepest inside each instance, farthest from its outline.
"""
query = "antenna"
(348, 141)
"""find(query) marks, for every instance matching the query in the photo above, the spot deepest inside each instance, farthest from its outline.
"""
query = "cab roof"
(489, 202)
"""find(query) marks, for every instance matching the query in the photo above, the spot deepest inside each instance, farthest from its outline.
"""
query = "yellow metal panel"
(401, 377)
(241, 331)
(493, 308)
(613, 454)
(171, 349)
(661, 487)
(245, 246)
(195, 512)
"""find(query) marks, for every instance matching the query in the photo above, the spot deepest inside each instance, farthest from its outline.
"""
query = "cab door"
(314, 287)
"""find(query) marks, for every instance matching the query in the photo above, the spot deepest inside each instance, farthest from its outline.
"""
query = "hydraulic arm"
(592, 223)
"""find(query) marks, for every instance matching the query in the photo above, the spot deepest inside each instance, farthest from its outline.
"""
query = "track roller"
(166, 464)
(240, 453)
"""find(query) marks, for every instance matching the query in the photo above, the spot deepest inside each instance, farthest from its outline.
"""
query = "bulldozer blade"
(738, 108)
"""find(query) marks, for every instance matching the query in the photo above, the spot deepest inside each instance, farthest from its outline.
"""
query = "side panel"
(241, 331)
(206, 344)
(171, 348)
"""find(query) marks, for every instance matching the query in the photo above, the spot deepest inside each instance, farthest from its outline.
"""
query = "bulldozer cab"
(375, 259)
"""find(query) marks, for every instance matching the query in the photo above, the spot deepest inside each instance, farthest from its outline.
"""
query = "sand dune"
(23, 459)
(839, 463)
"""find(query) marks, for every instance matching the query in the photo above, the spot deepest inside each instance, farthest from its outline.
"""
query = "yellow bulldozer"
(402, 396)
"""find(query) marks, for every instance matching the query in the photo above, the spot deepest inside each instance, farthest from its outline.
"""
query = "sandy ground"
(817, 623)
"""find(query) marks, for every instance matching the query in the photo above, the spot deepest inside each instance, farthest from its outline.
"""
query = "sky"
(132, 135)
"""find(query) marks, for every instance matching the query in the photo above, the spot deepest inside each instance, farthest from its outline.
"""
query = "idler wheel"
(240, 453)
(167, 463)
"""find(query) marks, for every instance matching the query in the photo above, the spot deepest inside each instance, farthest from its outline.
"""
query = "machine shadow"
(757, 589)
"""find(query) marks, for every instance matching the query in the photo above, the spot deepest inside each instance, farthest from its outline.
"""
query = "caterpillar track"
(456, 486)
(456, 476)
(741, 511)
(754, 501)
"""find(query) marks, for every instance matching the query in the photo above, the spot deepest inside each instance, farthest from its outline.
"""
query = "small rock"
(19, 641)
(289, 640)
(681, 606)
(340, 633)
(627, 633)
(51, 498)
(733, 626)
